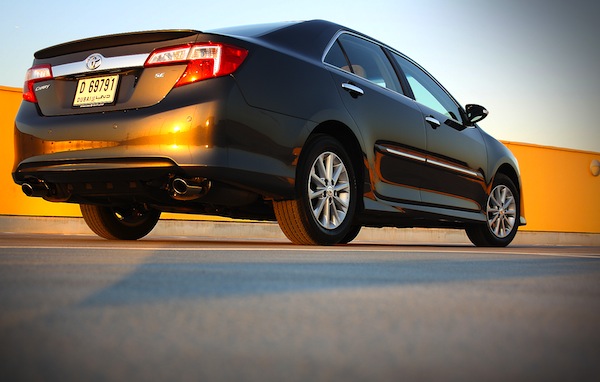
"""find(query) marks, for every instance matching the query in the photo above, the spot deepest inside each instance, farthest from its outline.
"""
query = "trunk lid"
(107, 73)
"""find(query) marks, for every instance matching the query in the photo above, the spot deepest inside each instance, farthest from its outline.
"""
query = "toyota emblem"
(94, 61)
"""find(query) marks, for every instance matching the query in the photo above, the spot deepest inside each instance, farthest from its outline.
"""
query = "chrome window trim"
(108, 63)
(341, 32)
(328, 47)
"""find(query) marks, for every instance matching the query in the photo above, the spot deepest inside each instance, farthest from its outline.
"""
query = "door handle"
(433, 122)
(354, 90)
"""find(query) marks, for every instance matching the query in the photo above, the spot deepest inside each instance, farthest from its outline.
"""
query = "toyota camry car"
(311, 124)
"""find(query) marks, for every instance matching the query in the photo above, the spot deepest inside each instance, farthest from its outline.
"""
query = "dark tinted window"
(367, 60)
(427, 91)
(336, 57)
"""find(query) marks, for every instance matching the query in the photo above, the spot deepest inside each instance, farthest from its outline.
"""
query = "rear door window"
(365, 59)
(336, 57)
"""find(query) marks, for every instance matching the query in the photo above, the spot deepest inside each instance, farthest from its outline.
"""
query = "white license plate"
(97, 91)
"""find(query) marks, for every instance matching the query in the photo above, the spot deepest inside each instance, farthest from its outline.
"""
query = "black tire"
(326, 190)
(502, 216)
(352, 234)
(119, 223)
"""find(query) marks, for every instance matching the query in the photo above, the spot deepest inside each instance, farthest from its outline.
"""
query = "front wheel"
(323, 211)
(502, 216)
(120, 223)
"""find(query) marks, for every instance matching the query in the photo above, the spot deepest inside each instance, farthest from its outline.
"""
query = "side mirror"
(476, 113)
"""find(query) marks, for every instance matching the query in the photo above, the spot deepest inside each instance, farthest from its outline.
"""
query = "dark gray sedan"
(310, 123)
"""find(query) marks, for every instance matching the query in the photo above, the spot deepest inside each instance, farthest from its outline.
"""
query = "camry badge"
(94, 61)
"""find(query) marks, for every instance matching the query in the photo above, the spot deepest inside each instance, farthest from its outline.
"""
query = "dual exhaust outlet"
(181, 189)
(189, 189)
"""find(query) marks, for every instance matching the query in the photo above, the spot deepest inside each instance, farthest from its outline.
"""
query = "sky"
(534, 64)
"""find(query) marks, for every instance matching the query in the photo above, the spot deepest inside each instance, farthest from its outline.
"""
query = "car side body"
(237, 142)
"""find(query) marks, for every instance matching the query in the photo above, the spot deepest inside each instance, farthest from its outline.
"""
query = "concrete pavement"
(189, 309)
(271, 231)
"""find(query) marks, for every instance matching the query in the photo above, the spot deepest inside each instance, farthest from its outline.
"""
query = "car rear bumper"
(220, 139)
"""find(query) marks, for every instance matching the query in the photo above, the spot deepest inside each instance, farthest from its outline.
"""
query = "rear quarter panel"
(286, 84)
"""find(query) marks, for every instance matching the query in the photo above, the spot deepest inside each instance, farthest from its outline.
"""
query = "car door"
(456, 152)
(388, 121)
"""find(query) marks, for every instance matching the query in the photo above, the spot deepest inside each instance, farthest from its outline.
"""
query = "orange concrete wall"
(12, 199)
(560, 192)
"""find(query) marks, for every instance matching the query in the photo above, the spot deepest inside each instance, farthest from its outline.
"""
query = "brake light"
(35, 74)
(207, 60)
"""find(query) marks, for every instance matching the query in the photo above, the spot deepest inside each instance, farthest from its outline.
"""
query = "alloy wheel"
(329, 190)
(501, 211)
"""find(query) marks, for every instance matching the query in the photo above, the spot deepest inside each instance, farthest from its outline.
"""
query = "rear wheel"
(502, 214)
(120, 223)
(323, 212)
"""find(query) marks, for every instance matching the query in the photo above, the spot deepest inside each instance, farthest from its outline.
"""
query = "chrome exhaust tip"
(40, 189)
(189, 189)
(180, 186)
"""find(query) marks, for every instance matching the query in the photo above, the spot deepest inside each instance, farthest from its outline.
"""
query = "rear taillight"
(207, 60)
(35, 74)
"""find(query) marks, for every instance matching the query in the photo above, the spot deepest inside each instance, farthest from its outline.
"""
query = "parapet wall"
(561, 194)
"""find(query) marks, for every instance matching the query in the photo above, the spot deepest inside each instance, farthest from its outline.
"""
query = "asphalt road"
(176, 309)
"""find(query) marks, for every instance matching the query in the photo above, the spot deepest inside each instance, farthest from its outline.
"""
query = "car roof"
(307, 38)
(252, 30)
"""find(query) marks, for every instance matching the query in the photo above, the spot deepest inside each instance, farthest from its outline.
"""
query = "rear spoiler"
(109, 41)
